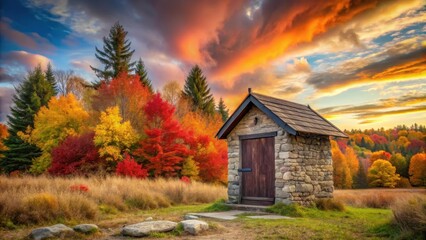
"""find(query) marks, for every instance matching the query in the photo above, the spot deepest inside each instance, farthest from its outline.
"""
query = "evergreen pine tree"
(50, 77)
(197, 91)
(143, 75)
(222, 109)
(33, 93)
(116, 54)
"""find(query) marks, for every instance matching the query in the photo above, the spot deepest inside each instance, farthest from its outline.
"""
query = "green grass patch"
(218, 206)
(290, 210)
(354, 223)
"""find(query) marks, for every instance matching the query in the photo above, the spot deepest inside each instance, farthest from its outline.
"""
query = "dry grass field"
(33, 200)
(111, 202)
(376, 197)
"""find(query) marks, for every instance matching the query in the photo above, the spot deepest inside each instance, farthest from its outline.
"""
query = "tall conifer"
(116, 54)
(143, 75)
(50, 77)
(31, 94)
(222, 110)
(197, 91)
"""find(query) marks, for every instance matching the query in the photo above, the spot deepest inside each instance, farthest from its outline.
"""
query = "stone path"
(231, 215)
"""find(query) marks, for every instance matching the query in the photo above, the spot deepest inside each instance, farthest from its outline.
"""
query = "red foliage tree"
(343, 144)
(211, 156)
(416, 146)
(76, 155)
(126, 92)
(130, 168)
(377, 139)
(164, 149)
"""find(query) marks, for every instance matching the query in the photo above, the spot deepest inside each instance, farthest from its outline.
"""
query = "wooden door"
(258, 185)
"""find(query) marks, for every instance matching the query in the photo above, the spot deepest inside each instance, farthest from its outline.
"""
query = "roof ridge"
(279, 99)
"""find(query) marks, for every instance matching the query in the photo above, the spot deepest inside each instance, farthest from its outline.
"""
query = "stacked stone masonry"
(303, 167)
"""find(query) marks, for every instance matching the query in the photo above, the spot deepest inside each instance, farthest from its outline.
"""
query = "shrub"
(410, 214)
(329, 204)
(76, 155)
(291, 210)
(130, 168)
(38, 207)
(218, 206)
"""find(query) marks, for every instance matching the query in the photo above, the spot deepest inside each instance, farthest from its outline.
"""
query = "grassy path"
(354, 223)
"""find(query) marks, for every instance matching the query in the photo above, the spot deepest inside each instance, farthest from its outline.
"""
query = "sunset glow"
(362, 64)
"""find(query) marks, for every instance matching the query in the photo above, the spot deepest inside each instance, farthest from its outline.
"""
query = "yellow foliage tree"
(382, 174)
(62, 117)
(190, 168)
(341, 173)
(417, 169)
(114, 136)
(352, 160)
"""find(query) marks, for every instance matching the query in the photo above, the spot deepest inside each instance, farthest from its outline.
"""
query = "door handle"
(244, 169)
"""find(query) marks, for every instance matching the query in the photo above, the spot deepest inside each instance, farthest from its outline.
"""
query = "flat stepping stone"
(194, 226)
(58, 230)
(269, 217)
(228, 215)
(145, 228)
(86, 228)
(190, 217)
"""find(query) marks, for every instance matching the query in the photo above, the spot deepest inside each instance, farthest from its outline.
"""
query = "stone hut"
(278, 151)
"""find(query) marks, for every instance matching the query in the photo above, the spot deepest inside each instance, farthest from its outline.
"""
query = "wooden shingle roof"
(292, 117)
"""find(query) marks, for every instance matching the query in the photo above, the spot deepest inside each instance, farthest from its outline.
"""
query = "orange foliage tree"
(341, 172)
(380, 155)
(163, 150)
(352, 160)
(128, 94)
(209, 153)
(417, 169)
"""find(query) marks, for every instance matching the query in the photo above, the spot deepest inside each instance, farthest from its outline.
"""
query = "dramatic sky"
(362, 64)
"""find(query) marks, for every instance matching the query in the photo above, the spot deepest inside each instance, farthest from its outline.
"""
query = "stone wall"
(303, 169)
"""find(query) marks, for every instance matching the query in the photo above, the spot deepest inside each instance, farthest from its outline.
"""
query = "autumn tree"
(62, 117)
(33, 93)
(399, 161)
(130, 168)
(113, 136)
(164, 149)
(382, 174)
(126, 92)
(190, 168)
(143, 75)
(62, 80)
(3, 135)
(171, 92)
(222, 110)
(417, 169)
(352, 161)
(197, 90)
(341, 172)
(76, 155)
(209, 153)
(116, 54)
(380, 155)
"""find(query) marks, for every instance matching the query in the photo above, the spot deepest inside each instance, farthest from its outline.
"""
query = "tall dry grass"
(376, 198)
(410, 214)
(43, 199)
